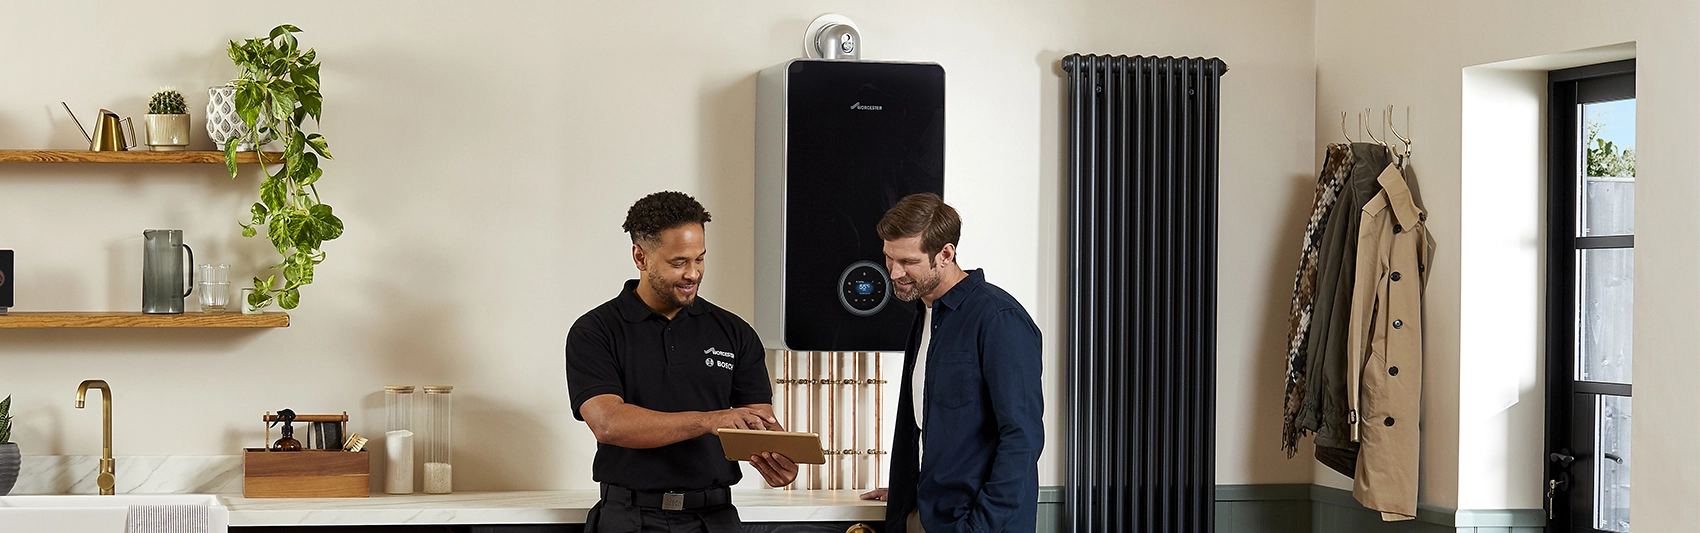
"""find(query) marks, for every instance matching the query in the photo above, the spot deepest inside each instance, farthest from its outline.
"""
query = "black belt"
(668, 501)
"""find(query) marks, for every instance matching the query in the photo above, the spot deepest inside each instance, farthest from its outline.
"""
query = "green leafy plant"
(167, 102)
(1604, 158)
(6, 420)
(275, 94)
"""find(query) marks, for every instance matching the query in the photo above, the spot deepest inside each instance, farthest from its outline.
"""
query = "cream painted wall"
(488, 152)
(1414, 54)
(1267, 178)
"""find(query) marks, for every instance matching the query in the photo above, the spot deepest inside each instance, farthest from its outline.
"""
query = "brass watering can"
(107, 137)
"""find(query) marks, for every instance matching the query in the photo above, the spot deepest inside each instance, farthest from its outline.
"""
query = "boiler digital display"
(862, 288)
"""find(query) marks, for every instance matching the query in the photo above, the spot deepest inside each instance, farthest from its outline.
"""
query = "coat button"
(1398, 324)
(1395, 276)
(1422, 268)
(1398, 228)
(1393, 371)
(1388, 422)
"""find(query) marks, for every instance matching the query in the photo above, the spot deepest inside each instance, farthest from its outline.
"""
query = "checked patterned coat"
(1335, 170)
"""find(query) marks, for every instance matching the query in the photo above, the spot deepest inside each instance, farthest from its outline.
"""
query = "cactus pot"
(167, 133)
(9, 461)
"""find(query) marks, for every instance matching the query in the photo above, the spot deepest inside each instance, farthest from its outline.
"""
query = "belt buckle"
(673, 501)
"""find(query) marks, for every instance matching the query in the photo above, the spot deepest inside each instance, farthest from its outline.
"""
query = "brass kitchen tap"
(107, 479)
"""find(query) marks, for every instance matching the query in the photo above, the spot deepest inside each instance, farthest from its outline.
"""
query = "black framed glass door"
(1590, 297)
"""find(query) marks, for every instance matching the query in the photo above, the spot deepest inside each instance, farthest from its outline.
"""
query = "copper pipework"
(812, 398)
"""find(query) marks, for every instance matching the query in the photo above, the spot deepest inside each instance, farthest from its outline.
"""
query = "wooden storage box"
(305, 474)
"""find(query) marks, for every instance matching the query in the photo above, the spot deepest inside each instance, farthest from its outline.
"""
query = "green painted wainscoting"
(1318, 509)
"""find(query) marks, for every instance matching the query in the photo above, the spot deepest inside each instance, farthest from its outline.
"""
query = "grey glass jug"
(163, 287)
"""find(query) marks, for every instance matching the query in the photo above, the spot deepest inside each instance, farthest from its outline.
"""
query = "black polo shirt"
(704, 359)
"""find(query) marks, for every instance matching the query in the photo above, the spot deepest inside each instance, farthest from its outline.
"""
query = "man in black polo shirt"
(655, 372)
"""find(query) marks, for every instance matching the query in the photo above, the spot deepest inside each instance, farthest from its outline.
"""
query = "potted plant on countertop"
(277, 91)
(167, 121)
(9, 458)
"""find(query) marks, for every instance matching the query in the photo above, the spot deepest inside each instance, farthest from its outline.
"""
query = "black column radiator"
(1141, 293)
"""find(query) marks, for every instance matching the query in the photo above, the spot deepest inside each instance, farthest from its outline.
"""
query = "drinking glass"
(214, 287)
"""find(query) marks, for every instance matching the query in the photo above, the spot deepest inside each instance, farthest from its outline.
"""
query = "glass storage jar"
(437, 424)
(398, 439)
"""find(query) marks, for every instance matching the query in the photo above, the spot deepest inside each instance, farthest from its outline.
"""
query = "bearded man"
(656, 372)
(965, 455)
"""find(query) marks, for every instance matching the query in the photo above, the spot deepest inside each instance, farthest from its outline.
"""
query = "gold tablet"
(800, 448)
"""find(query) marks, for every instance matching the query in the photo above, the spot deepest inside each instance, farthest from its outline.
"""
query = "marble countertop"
(528, 507)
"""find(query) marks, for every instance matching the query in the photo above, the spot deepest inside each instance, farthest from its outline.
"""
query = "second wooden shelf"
(132, 156)
(51, 320)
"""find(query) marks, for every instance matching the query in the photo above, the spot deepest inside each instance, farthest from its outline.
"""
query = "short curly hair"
(662, 211)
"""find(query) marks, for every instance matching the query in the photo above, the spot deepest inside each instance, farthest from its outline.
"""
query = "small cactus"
(167, 102)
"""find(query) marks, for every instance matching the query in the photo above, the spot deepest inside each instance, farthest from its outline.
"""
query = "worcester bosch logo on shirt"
(859, 107)
(712, 362)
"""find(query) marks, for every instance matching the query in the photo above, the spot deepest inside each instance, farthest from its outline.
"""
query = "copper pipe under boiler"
(856, 421)
(814, 412)
(879, 473)
(837, 421)
(785, 403)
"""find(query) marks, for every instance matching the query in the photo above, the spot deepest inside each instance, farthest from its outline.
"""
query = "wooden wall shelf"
(50, 320)
(135, 156)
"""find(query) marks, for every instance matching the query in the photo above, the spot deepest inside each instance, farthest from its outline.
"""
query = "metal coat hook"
(1343, 132)
(1402, 139)
(1363, 120)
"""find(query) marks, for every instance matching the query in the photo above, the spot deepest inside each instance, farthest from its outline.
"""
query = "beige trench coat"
(1385, 348)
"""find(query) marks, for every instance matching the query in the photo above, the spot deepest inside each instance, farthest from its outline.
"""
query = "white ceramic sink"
(96, 514)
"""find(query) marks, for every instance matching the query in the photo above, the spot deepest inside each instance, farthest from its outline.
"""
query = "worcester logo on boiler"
(859, 107)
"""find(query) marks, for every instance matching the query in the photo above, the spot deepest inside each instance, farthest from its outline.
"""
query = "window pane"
(1608, 206)
(1608, 177)
(1611, 463)
(1606, 300)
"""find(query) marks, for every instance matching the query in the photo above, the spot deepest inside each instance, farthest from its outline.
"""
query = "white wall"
(1373, 54)
(1501, 385)
(487, 153)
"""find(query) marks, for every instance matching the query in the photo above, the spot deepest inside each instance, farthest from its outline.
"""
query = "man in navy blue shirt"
(970, 413)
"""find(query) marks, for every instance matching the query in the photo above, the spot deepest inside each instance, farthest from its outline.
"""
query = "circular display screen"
(864, 288)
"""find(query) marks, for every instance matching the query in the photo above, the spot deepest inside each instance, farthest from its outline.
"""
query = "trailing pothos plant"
(276, 92)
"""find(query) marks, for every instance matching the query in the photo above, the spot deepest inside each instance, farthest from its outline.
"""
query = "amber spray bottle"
(288, 442)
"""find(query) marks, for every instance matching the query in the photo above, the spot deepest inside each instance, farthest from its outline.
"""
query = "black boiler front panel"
(859, 137)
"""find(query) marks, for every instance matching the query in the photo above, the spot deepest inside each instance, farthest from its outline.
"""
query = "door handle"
(1562, 457)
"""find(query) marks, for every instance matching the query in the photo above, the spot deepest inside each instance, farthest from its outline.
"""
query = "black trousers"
(620, 517)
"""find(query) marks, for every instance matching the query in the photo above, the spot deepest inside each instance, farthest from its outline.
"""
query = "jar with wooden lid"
(437, 421)
(398, 439)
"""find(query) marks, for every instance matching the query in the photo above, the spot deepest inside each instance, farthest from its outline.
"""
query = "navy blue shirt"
(704, 359)
(984, 417)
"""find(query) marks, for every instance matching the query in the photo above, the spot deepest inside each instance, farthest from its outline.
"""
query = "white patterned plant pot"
(223, 123)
